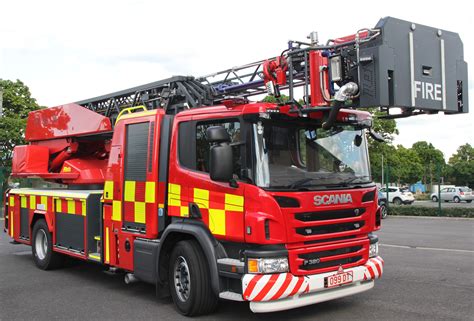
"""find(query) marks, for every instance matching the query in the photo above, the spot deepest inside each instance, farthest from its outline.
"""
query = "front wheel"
(42, 247)
(189, 280)
(397, 201)
(456, 199)
(383, 210)
(434, 199)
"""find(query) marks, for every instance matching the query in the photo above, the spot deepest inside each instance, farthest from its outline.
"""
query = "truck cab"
(289, 206)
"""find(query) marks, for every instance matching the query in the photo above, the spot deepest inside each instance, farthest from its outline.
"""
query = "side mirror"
(220, 163)
(376, 136)
(220, 158)
(357, 140)
(217, 134)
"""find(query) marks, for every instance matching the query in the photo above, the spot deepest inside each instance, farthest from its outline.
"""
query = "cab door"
(130, 200)
(191, 192)
(139, 210)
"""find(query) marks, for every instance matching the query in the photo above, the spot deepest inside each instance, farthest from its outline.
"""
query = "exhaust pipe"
(130, 278)
(344, 93)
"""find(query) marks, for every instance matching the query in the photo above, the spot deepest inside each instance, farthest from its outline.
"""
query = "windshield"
(290, 156)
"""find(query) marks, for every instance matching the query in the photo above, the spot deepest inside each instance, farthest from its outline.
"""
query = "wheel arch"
(37, 216)
(187, 229)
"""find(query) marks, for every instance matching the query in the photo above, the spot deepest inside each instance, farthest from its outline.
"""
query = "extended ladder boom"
(395, 64)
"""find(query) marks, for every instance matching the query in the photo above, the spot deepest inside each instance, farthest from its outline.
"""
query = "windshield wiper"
(350, 180)
(306, 180)
(303, 181)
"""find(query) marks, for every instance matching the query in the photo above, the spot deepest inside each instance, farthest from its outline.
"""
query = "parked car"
(398, 195)
(456, 194)
(383, 204)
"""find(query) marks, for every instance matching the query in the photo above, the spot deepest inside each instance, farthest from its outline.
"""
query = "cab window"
(194, 149)
(203, 146)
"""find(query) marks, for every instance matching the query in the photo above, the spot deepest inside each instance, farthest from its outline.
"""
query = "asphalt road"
(429, 275)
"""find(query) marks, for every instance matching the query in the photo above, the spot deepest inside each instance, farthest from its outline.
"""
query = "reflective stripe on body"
(215, 207)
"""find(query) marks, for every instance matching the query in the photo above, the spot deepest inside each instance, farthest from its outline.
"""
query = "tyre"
(456, 199)
(189, 280)
(397, 201)
(434, 199)
(42, 247)
(383, 210)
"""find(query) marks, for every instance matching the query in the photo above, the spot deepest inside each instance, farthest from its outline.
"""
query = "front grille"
(322, 259)
(334, 252)
(328, 229)
(327, 264)
(286, 202)
(329, 215)
(330, 239)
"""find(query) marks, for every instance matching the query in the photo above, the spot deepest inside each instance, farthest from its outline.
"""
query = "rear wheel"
(189, 280)
(434, 199)
(42, 247)
(397, 201)
(456, 199)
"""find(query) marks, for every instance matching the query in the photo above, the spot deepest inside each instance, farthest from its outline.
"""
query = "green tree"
(388, 129)
(282, 99)
(390, 158)
(17, 103)
(462, 166)
(409, 169)
(430, 157)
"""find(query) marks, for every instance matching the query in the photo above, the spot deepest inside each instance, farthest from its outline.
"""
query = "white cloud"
(66, 51)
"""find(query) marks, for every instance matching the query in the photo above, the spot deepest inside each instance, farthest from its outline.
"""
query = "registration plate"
(337, 279)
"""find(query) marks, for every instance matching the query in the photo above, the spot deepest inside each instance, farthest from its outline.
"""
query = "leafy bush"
(422, 196)
(430, 211)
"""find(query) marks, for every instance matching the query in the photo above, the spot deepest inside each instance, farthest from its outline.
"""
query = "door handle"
(194, 210)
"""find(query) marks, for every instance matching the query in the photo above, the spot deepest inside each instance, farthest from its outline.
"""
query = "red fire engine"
(188, 185)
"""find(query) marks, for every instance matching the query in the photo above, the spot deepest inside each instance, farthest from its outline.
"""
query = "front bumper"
(277, 292)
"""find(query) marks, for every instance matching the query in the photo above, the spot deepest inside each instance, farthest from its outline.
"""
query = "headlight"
(374, 249)
(273, 265)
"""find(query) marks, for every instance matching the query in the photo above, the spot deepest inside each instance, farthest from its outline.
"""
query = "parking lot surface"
(429, 275)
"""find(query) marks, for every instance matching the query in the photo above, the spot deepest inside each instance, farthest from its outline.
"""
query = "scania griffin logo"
(332, 199)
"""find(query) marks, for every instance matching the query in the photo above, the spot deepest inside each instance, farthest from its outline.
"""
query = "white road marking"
(426, 248)
(22, 253)
(2, 219)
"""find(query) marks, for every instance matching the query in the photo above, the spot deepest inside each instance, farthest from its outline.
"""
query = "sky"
(67, 51)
